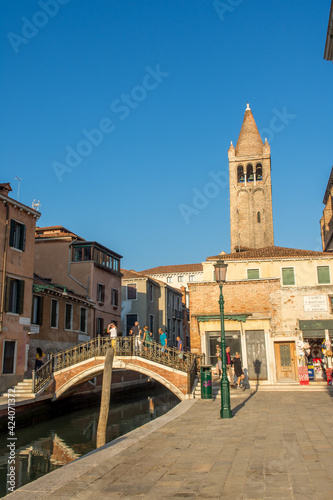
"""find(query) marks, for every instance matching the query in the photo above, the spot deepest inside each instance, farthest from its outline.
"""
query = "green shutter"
(21, 296)
(323, 275)
(288, 276)
(253, 274)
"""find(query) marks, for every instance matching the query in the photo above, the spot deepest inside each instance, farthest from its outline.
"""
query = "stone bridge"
(84, 361)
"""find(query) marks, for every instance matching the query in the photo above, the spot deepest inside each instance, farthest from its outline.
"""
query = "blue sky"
(118, 114)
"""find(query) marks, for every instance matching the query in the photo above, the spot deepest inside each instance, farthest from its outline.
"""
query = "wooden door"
(285, 357)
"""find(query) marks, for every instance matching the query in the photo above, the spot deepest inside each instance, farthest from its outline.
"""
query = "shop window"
(17, 235)
(14, 296)
(131, 291)
(253, 274)
(288, 276)
(323, 274)
(8, 366)
(37, 310)
(54, 313)
(68, 317)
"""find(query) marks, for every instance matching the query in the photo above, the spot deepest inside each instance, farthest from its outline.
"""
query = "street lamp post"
(220, 277)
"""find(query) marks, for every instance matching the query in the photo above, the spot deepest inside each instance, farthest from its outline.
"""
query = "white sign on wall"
(314, 303)
(24, 321)
(34, 329)
(83, 338)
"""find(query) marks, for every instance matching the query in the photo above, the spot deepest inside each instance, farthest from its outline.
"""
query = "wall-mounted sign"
(24, 321)
(83, 338)
(314, 303)
(34, 329)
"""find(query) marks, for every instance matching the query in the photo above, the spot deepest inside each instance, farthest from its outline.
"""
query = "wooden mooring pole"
(105, 399)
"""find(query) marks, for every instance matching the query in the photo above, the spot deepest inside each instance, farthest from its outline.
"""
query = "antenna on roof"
(18, 189)
(36, 204)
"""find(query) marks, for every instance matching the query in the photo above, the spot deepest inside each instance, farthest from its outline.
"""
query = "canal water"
(48, 445)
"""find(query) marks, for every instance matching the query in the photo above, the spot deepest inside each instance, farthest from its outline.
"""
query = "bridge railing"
(42, 376)
(123, 346)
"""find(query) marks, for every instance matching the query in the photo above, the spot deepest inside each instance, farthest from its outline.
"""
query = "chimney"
(5, 189)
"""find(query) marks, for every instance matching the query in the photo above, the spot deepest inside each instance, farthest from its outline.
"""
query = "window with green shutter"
(253, 274)
(323, 273)
(288, 276)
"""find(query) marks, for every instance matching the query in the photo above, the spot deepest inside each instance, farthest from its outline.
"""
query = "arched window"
(259, 172)
(240, 173)
(258, 217)
(249, 173)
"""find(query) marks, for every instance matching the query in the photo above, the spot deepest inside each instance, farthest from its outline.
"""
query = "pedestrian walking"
(39, 357)
(147, 340)
(239, 371)
(180, 347)
(163, 340)
(229, 367)
(136, 333)
(112, 331)
(219, 361)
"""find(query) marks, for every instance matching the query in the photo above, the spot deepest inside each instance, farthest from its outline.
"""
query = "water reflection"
(47, 446)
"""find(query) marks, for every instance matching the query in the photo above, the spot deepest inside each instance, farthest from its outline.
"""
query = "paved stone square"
(278, 445)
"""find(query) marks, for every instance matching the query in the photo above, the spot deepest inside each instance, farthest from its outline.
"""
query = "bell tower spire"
(251, 214)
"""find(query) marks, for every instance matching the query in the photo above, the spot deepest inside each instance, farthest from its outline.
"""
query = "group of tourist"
(144, 339)
(234, 368)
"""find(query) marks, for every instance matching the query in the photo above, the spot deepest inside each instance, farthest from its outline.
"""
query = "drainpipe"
(69, 269)
(2, 306)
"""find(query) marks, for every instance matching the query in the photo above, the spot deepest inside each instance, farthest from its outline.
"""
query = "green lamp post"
(220, 277)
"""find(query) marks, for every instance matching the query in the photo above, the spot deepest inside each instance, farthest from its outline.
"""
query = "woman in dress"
(146, 338)
(239, 371)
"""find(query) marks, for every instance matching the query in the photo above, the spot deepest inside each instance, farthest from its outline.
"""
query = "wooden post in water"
(105, 398)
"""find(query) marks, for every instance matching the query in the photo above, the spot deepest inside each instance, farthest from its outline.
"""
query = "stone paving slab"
(278, 445)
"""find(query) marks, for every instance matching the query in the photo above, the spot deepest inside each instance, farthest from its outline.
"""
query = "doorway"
(285, 357)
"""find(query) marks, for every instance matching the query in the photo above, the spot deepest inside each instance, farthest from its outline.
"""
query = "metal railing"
(123, 347)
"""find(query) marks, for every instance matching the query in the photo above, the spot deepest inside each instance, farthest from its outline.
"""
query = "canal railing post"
(99, 345)
(33, 381)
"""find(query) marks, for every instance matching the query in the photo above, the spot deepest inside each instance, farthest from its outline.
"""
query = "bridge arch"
(98, 367)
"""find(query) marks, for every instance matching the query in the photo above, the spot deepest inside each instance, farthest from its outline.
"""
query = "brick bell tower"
(251, 214)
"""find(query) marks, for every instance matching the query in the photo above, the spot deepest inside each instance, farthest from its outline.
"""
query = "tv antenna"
(18, 189)
(36, 204)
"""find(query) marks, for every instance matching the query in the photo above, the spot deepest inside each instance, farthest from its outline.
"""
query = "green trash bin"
(206, 381)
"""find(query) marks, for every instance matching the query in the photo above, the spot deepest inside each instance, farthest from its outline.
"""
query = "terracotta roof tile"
(178, 268)
(130, 274)
(272, 252)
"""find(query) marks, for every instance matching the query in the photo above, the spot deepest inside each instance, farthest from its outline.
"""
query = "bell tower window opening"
(259, 172)
(249, 173)
(258, 217)
(240, 174)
